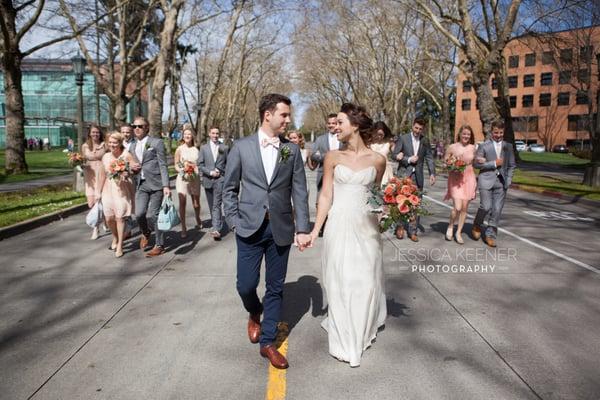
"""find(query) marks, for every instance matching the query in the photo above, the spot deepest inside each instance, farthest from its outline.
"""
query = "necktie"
(274, 141)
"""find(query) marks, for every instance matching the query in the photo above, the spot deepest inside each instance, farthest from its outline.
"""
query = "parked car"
(521, 145)
(537, 148)
(560, 148)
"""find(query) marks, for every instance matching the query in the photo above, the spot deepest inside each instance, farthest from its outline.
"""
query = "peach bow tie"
(274, 141)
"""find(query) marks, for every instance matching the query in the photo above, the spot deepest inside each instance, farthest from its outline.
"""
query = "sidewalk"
(36, 183)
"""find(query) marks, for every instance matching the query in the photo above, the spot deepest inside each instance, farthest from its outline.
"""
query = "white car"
(537, 148)
(520, 145)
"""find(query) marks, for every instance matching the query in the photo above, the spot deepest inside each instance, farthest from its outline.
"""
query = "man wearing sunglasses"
(151, 185)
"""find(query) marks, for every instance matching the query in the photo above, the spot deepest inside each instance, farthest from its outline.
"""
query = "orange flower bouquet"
(187, 170)
(77, 161)
(454, 164)
(398, 201)
(119, 169)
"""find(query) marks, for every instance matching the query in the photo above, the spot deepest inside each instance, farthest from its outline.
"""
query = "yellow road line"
(277, 385)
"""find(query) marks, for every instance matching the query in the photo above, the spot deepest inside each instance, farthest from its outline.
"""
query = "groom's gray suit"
(493, 182)
(262, 215)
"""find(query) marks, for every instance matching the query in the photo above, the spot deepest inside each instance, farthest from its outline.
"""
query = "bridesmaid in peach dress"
(382, 144)
(188, 151)
(461, 186)
(93, 172)
(118, 195)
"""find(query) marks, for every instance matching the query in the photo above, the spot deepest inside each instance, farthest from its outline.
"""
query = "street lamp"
(79, 69)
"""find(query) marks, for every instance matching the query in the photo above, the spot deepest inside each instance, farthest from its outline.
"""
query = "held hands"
(400, 156)
(414, 159)
(166, 191)
(480, 160)
(499, 162)
(215, 173)
(303, 240)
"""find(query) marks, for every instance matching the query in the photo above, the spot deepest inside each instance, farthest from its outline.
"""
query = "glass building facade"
(50, 97)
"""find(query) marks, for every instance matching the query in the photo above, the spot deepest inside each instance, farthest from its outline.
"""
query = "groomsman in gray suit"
(495, 159)
(320, 147)
(413, 151)
(212, 163)
(152, 183)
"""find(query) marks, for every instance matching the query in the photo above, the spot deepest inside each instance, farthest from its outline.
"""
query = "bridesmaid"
(382, 144)
(118, 195)
(93, 172)
(187, 151)
(461, 186)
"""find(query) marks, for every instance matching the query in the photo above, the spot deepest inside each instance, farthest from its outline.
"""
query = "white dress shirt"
(214, 148)
(139, 152)
(268, 155)
(416, 141)
(334, 143)
(498, 148)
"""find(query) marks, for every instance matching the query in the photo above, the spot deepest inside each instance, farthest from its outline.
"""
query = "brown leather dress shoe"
(414, 237)
(156, 251)
(277, 359)
(143, 242)
(254, 328)
(400, 232)
(490, 242)
(476, 232)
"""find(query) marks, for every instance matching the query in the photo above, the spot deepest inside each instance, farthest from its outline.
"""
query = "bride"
(352, 258)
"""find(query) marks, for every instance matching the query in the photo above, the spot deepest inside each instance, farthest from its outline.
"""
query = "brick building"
(553, 82)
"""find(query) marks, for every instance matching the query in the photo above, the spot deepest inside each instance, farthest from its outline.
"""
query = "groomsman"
(212, 162)
(152, 183)
(321, 146)
(495, 159)
(412, 151)
(127, 132)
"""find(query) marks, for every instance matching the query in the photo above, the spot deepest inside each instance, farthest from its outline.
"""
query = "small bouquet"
(454, 164)
(77, 161)
(119, 169)
(187, 170)
(398, 201)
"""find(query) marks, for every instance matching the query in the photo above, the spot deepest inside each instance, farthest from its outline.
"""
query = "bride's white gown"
(352, 267)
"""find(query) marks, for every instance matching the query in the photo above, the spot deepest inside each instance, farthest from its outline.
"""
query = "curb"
(24, 226)
(557, 195)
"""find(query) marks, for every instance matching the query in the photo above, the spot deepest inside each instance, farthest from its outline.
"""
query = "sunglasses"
(138, 126)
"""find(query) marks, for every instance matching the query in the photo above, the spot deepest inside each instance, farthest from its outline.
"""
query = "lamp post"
(79, 69)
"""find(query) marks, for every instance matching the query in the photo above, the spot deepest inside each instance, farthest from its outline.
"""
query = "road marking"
(558, 215)
(539, 246)
(277, 384)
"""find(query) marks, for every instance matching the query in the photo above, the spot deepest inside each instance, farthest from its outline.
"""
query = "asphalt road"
(520, 322)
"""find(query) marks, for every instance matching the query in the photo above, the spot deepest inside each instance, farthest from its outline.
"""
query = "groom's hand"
(303, 241)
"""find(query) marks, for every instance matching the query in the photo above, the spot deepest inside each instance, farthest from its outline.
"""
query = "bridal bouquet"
(398, 201)
(119, 169)
(76, 161)
(454, 164)
(187, 170)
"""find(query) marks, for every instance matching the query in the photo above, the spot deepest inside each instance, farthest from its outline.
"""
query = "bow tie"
(274, 141)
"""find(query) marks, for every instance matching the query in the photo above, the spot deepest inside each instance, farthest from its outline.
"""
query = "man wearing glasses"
(152, 184)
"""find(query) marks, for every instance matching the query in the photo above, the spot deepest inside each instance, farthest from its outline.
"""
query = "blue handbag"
(167, 216)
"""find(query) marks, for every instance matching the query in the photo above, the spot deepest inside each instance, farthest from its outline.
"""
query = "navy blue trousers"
(250, 252)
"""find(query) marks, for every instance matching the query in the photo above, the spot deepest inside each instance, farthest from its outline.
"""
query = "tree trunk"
(120, 114)
(15, 114)
(488, 112)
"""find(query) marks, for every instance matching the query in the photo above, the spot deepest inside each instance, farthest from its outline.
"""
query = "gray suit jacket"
(154, 164)
(415, 171)
(246, 210)
(318, 150)
(207, 163)
(488, 171)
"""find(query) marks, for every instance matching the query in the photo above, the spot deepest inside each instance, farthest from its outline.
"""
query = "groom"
(269, 172)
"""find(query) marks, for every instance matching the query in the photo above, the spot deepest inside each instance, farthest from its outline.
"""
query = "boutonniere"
(285, 152)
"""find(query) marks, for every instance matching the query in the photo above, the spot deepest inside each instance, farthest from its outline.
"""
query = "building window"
(513, 81)
(467, 86)
(525, 124)
(527, 100)
(545, 99)
(466, 104)
(583, 75)
(528, 80)
(581, 97)
(566, 56)
(530, 60)
(547, 58)
(564, 77)
(564, 98)
(494, 84)
(585, 53)
(513, 101)
(578, 123)
(546, 79)
(513, 62)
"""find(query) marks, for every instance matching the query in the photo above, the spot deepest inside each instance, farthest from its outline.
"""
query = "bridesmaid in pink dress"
(118, 195)
(93, 172)
(461, 186)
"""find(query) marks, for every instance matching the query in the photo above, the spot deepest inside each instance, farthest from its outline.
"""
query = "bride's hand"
(303, 241)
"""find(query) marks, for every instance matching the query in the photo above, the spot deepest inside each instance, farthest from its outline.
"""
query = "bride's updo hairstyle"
(359, 117)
